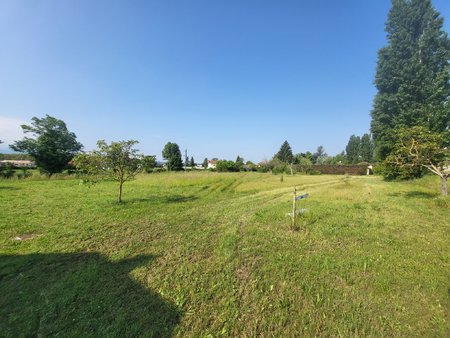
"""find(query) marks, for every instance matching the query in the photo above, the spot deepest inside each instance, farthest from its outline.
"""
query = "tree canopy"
(148, 163)
(412, 76)
(172, 154)
(53, 146)
(418, 147)
(117, 161)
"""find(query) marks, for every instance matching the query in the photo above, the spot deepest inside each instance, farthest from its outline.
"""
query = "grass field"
(198, 254)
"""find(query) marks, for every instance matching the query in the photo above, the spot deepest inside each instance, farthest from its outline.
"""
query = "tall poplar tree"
(353, 148)
(366, 148)
(412, 75)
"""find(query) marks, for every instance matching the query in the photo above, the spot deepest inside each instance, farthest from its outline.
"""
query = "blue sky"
(220, 78)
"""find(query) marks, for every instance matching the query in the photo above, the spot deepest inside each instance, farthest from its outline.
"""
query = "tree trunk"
(444, 185)
(120, 191)
(292, 173)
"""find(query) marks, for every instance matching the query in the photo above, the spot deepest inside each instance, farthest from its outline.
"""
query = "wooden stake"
(293, 209)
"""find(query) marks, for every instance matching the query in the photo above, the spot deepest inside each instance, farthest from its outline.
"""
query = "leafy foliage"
(117, 161)
(53, 147)
(417, 147)
(172, 154)
(6, 170)
(226, 166)
(412, 74)
(148, 163)
(205, 163)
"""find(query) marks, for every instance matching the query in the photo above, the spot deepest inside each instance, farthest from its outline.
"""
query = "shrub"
(226, 166)
(7, 170)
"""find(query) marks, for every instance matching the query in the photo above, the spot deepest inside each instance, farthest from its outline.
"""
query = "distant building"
(212, 164)
(19, 163)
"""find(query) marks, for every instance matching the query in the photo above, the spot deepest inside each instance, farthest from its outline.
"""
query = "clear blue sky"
(220, 78)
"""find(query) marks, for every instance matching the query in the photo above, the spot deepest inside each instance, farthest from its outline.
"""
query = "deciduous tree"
(117, 161)
(353, 148)
(366, 148)
(53, 146)
(418, 147)
(172, 154)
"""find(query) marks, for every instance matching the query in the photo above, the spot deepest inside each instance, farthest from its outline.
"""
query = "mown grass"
(202, 253)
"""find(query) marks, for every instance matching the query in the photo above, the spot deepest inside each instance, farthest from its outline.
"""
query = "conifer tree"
(412, 76)
(285, 153)
(239, 162)
(205, 163)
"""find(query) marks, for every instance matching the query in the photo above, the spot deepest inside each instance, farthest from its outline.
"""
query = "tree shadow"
(413, 194)
(8, 188)
(421, 194)
(80, 295)
(161, 199)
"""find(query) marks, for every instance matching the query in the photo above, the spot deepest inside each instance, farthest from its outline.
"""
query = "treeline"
(15, 157)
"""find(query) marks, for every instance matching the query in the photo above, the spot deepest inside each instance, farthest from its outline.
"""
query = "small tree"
(192, 163)
(53, 147)
(117, 161)
(205, 163)
(418, 147)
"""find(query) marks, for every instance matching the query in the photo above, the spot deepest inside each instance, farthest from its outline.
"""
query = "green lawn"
(198, 254)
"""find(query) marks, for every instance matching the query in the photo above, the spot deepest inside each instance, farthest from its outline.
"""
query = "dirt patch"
(26, 236)
(244, 271)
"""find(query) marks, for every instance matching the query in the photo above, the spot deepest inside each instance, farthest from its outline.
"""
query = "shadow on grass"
(79, 295)
(8, 188)
(161, 199)
(414, 194)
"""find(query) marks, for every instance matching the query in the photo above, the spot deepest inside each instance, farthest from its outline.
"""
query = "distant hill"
(15, 157)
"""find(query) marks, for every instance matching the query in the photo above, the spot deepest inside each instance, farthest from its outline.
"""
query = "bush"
(158, 170)
(337, 169)
(393, 172)
(7, 170)
(226, 166)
